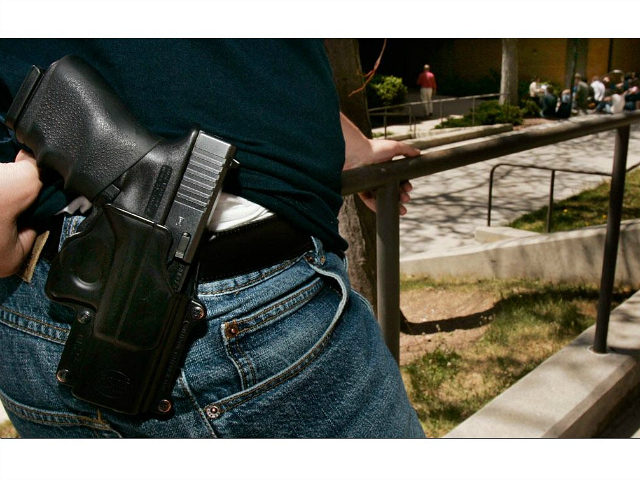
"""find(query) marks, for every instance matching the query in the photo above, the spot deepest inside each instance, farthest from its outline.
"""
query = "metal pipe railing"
(386, 177)
(611, 240)
(553, 171)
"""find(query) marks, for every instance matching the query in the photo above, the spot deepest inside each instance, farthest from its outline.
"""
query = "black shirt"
(274, 99)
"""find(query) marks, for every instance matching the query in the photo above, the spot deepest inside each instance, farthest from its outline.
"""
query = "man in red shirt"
(427, 82)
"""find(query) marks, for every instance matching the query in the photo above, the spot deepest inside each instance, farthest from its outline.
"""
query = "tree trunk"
(509, 72)
(357, 222)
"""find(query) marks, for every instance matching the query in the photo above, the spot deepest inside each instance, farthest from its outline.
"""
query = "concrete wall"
(574, 256)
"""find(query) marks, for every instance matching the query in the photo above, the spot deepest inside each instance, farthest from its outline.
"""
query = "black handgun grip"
(75, 124)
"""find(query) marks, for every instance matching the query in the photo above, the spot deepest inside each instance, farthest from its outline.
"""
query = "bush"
(530, 109)
(385, 90)
(487, 113)
(491, 112)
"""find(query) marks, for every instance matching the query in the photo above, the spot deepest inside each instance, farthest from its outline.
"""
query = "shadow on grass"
(513, 301)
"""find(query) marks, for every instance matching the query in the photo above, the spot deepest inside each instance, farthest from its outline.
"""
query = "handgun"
(130, 271)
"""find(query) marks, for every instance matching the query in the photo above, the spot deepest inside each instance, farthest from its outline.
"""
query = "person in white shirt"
(598, 89)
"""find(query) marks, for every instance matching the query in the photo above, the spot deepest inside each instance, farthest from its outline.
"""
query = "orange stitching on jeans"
(294, 299)
(262, 276)
(35, 415)
(19, 314)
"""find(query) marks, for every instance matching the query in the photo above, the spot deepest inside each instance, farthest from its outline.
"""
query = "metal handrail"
(553, 171)
(385, 179)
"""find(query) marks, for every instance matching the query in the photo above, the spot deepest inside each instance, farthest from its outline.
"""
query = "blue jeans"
(289, 351)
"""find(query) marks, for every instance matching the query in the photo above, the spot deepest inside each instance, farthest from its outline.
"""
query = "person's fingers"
(406, 186)
(369, 199)
(19, 184)
(406, 150)
(26, 239)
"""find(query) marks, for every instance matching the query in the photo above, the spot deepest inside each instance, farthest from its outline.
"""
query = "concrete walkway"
(447, 207)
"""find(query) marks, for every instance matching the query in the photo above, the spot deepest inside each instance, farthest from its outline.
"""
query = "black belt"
(233, 252)
(251, 247)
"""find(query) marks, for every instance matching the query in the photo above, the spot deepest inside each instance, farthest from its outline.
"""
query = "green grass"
(588, 208)
(381, 134)
(7, 430)
(529, 322)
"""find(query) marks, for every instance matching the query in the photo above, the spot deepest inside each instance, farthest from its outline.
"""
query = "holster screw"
(84, 317)
(197, 311)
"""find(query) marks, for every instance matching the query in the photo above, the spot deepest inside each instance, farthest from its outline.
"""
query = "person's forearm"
(357, 146)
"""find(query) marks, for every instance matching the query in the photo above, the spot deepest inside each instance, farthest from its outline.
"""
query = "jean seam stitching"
(253, 281)
(36, 415)
(294, 300)
(185, 387)
(235, 352)
(11, 324)
(41, 322)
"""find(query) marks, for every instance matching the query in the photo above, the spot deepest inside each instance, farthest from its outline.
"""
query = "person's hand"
(19, 187)
(378, 151)
(361, 151)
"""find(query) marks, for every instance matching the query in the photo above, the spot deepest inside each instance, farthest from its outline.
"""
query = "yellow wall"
(625, 54)
(597, 57)
(544, 58)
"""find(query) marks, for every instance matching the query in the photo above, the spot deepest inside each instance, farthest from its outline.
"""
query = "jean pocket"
(43, 423)
(267, 341)
(279, 341)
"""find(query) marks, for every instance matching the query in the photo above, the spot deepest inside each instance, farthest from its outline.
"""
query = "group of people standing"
(602, 95)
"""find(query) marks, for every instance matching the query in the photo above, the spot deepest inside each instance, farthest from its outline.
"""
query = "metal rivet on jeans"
(310, 258)
(213, 411)
(62, 375)
(164, 406)
(232, 329)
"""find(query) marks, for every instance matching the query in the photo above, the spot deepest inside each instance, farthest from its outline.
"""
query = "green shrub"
(487, 113)
(454, 122)
(491, 112)
(530, 109)
(385, 90)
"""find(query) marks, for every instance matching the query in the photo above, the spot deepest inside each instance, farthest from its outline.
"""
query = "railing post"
(612, 236)
(490, 200)
(550, 207)
(388, 265)
(385, 122)
(473, 111)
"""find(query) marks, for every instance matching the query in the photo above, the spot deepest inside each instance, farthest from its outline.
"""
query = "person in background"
(598, 89)
(427, 82)
(548, 103)
(564, 109)
(536, 90)
(580, 94)
(632, 95)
